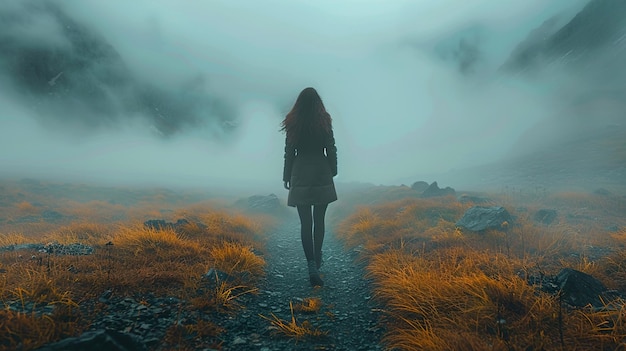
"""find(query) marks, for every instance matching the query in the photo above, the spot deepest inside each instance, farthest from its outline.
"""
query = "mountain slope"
(72, 77)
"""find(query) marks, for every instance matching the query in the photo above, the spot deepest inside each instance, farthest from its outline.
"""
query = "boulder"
(419, 186)
(480, 218)
(545, 216)
(580, 289)
(261, 204)
(433, 190)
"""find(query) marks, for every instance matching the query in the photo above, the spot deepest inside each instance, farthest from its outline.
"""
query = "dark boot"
(314, 275)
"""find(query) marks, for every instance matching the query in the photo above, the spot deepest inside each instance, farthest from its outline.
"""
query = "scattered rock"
(239, 341)
(545, 216)
(580, 289)
(261, 204)
(480, 218)
(144, 320)
(433, 190)
(98, 340)
(75, 249)
(419, 186)
(17, 247)
(53, 248)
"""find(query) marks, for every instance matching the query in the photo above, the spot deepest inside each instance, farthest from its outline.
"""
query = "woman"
(310, 165)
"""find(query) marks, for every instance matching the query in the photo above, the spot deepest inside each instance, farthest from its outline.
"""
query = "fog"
(406, 99)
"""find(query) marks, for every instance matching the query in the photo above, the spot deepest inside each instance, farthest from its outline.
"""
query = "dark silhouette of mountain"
(600, 27)
(72, 77)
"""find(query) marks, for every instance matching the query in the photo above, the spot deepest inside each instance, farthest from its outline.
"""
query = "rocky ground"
(348, 318)
(348, 315)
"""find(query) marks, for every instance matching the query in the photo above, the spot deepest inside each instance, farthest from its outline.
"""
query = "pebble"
(238, 341)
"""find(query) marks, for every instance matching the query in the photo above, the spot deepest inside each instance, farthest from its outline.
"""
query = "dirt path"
(348, 314)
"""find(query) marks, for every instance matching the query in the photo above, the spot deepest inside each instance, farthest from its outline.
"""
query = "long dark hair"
(308, 115)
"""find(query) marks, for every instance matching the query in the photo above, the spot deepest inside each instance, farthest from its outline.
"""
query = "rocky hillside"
(600, 27)
(581, 146)
(70, 75)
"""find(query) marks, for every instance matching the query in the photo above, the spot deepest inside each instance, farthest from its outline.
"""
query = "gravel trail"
(348, 315)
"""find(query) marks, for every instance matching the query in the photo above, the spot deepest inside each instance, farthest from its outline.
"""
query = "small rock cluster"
(432, 190)
(53, 248)
(146, 317)
(269, 204)
(74, 249)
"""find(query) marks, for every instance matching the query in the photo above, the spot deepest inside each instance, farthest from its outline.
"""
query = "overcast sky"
(401, 105)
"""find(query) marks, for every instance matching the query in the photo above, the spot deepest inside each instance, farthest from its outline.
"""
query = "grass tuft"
(291, 328)
(309, 305)
(237, 259)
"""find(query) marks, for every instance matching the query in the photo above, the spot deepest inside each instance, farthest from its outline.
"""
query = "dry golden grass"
(157, 244)
(129, 259)
(292, 328)
(88, 233)
(93, 211)
(309, 305)
(473, 293)
(226, 296)
(408, 220)
(442, 288)
(27, 331)
(26, 207)
(12, 239)
(620, 237)
(447, 289)
(604, 329)
(235, 258)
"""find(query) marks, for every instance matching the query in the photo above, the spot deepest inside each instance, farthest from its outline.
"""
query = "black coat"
(310, 165)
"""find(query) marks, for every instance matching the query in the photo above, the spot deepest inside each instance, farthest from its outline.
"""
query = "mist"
(192, 94)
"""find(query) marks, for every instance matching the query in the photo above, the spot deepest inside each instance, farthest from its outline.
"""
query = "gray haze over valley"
(192, 93)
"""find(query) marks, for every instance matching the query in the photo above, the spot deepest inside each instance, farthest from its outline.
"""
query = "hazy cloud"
(217, 77)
